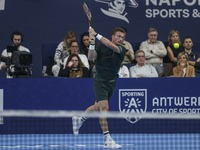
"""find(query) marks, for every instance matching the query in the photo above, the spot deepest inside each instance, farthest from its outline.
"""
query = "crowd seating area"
(48, 51)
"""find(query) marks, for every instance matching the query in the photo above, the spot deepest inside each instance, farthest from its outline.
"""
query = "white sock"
(107, 135)
(83, 119)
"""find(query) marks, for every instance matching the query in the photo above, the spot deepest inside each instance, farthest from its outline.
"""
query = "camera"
(20, 64)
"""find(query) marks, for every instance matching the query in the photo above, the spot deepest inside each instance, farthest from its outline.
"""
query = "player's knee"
(104, 108)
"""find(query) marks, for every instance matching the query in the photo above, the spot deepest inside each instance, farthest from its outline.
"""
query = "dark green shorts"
(104, 90)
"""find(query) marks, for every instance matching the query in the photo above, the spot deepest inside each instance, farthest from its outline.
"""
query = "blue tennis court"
(96, 141)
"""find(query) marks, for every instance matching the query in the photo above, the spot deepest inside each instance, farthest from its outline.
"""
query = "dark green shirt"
(108, 62)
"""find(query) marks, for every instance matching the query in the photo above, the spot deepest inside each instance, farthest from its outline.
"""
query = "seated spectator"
(123, 72)
(74, 68)
(174, 37)
(12, 70)
(85, 42)
(129, 57)
(74, 49)
(194, 57)
(154, 50)
(141, 69)
(62, 51)
(183, 69)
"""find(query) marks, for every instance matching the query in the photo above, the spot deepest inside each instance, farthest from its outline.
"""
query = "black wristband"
(96, 34)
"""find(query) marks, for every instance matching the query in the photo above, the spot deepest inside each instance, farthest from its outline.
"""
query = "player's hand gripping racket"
(87, 13)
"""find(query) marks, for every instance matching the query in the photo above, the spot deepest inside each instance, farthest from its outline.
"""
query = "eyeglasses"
(74, 46)
(140, 56)
(74, 60)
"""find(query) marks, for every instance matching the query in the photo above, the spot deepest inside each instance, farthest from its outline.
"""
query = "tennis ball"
(176, 45)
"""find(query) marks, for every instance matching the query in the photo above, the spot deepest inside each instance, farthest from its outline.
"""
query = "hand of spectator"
(149, 51)
(128, 54)
(140, 75)
(4, 67)
(70, 64)
(198, 60)
(125, 75)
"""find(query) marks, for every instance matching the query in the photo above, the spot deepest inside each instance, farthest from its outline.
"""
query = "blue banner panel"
(133, 95)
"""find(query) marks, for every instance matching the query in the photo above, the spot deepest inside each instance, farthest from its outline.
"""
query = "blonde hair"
(69, 35)
(179, 56)
(170, 35)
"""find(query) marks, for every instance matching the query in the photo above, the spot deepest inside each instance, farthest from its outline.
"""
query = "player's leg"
(109, 142)
(77, 121)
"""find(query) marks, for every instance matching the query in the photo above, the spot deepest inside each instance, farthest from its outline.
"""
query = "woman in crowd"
(174, 37)
(62, 51)
(183, 69)
(84, 50)
(84, 43)
(74, 68)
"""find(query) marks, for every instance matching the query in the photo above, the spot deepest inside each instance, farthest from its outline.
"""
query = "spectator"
(174, 37)
(194, 57)
(183, 69)
(84, 50)
(74, 68)
(62, 51)
(85, 42)
(73, 49)
(141, 69)
(129, 57)
(123, 72)
(154, 50)
(5, 64)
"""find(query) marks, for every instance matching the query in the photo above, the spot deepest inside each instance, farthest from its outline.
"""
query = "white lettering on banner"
(164, 13)
(1, 105)
(2, 4)
(172, 13)
(172, 2)
(183, 105)
(132, 94)
(176, 101)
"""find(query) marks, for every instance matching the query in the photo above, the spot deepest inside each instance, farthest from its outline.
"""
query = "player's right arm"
(92, 53)
(105, 41)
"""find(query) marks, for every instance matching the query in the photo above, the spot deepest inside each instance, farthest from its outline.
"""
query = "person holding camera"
(5, 64)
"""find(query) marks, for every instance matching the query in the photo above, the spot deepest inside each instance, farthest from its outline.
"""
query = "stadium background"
(47, 21)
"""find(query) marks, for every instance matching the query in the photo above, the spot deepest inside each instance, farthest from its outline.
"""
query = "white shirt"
(124, 71)
(83, 59)
(146, 70)
(158, 49)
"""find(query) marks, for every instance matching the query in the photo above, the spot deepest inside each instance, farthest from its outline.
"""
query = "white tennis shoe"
(76, 123)
(110, 143)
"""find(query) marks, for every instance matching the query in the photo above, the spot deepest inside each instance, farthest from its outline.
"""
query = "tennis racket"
(87, 13)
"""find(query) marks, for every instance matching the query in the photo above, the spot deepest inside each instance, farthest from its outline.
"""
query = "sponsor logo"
(133, 101)
(116, 8)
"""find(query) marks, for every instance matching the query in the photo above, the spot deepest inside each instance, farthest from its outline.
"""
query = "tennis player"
(109, 56)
